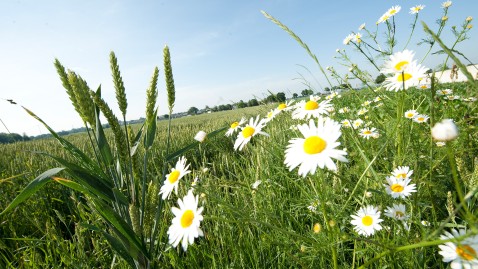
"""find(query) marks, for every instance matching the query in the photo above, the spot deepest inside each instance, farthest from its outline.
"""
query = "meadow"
(385, 176)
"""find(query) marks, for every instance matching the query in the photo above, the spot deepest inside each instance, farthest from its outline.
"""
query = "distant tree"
(193, 110)
(253, 102)
(307, 92)
(380, 78)
(166, 116)
(295, 95)
(241, 104)
(280, 96)
(215, 109)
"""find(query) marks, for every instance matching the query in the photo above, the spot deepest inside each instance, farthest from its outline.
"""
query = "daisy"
(368, 132)
(398, 62)
(424, 86)
(383, 18)
(377, 99)
(402, 172)
(420, 118)
(235, 126)
(397, 211)
(346, 123)
(256, 184)
(444, 92)
(393, 10)
(366, 103)
(367, 220)
(316, 149)
(186, 221)
(461, 254)
(271, 114)
(285, 106)
(410, 114)
(452, 97)
(200, 136)
(469, 99)
(311, 108)
(446, 4)
(409, 77)
(446, 130)
(344, 110)
(348, 38)
(357, 123)
(399, 188)
(251, 129)
(358, 37)
(172, 179)
(361, 27)
(362, 111)
(416, 9)
(440, 144)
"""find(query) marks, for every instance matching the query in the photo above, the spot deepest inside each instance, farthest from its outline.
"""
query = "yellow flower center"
(367, 220)
(410, 115)
(234, 124)
(404, 77)
(173, 177)
(317, 228)
(399, 214)
(401, 65)
(420, 119)
(367, 132)
(248, 132)
(311, 105)
(187, 218)
(393, 11)
(282, 106)
(466, 252)
(314, 145)
(397, 188)
(401, 175)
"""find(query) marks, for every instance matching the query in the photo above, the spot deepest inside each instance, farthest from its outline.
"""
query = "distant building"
(458, 76)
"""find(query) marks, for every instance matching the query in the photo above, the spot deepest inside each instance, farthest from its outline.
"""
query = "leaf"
(32, 188)
(101, 141)
(114, 243)
(135, 143)
(150, 131)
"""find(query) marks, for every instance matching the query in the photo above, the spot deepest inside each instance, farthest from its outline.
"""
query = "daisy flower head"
(410, 114)
(398, 62)
(399, 188)
(397, 211)
(344, 110)
(346, 123)
(200, 136)
(383, 18)
(357, 123)
(348, 38)
(452, 97)
(394, 10)
(416, 9)
(285, 106)
(361, 27)
(358, 37)
(444, 92)
(172, 179)
(252, 129)
(440, 144)
(185, 224)
(461, 254)
(316, 149)
(368, 132)
(271, 114)
(402, 172)
(235, 126)
(446, 130)
(311, 108)
(411, 76)
(362, 111)
(420, 118)
(446, 4)
(424, 86)
(367, 220)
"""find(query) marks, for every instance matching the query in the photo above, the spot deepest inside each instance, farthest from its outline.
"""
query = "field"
(373, 177)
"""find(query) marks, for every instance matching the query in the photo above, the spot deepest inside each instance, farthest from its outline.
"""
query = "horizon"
(221, 52)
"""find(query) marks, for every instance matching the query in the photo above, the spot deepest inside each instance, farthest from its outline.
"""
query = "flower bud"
(446, 130)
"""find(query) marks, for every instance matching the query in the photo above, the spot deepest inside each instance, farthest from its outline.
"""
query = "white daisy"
(402, 172)
(256, 184)
(416, 9)
(185, 224)
(420, 118)
(311, 108)
(393, 10)
(423, 86)
(172, 179)
(344, 110)
(235, 126)
(357, 123)
(461, 253)
(316, 149)
(348, 38)
(440, 144)
(271, 114)
(285, 106)
(346, 123)
(361, 27)
(362, 111)
(368, 132)
(250, 130)
(358, 37)
(410, 114)
(367, 220)
(399, 188)
(452, 97)
(446, 4)
(444, 92)
(411, 76)
(397, 211)
(398, 62)
(200, 136)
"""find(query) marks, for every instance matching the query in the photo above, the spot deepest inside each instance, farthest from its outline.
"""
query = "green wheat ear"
(84, 103)
(151, 96)
(66, 84)
(118, 82)
(168, 74)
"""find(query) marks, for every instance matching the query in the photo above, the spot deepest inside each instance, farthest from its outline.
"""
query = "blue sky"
(222, 51)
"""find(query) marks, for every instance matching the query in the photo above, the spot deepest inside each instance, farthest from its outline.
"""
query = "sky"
(221, 51)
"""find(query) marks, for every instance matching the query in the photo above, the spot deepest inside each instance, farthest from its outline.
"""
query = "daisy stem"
(413, 29)
(399, 120)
